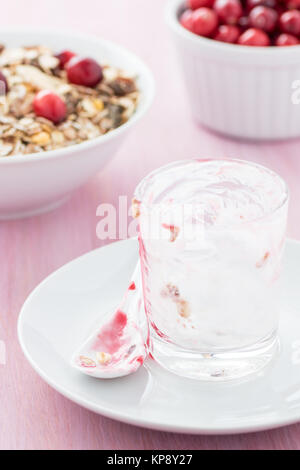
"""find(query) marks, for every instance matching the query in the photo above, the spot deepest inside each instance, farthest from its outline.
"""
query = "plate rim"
(108, 412)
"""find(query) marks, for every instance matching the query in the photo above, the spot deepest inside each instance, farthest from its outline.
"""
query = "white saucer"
(63, 310)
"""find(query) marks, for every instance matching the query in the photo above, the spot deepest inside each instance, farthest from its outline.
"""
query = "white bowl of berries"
(240, 79)
(66, 103)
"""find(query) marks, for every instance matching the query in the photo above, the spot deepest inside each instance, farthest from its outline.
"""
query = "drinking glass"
(211, 237)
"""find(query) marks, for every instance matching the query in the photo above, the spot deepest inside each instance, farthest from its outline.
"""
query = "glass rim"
(140, 189)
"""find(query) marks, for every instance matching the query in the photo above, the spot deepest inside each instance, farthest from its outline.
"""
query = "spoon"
(118, 347)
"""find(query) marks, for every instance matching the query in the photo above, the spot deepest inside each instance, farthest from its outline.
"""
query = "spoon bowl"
(118, 347)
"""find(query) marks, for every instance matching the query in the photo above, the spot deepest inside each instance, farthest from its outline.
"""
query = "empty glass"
(211, 236)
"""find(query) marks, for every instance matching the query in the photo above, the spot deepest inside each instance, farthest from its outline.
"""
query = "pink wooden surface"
(32, 415)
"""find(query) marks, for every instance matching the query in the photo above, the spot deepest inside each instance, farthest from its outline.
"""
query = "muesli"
(53, 101)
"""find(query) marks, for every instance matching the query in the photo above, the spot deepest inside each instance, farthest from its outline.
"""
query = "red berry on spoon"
(263, 18)
(3, 84)
(286, 40)
(204, 21)
(186, 20)
(86, 72)
(254, 37)
(50, 106)
(195, 4)
(64, 57)
(227, 33)
(289, 22)
(229, 11)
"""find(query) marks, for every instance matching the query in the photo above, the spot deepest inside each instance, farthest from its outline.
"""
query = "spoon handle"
(133, 295)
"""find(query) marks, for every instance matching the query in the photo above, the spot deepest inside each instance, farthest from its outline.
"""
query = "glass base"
(219, 366)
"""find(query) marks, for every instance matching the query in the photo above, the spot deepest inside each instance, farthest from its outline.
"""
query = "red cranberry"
(50, 106)
(204, 21)
(227, 33)
(244, 22)
(290, 22)
(186, 20)
(229, 11)
(195, 4)
(286, 40)
(263, 18)
(64, 57)
(3, 83)
(86, 72)
(254, 37)
(293, 4)
(264, 3)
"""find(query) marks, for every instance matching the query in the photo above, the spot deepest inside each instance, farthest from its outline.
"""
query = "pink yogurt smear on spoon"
(111, 337)
(118, 349)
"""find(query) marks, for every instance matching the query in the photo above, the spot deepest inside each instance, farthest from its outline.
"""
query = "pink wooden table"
(32, 415)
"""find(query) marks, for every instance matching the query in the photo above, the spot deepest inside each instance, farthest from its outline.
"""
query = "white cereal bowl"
(32, 184)
(241, 91)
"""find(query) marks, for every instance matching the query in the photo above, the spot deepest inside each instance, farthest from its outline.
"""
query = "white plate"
(63, 310)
